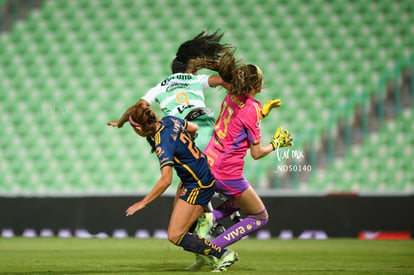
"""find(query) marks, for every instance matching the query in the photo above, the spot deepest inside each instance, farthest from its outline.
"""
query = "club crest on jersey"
(183, 192)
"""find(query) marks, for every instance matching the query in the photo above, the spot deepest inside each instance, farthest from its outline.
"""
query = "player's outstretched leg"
(196, 244)
(204, 223)
(243, 228)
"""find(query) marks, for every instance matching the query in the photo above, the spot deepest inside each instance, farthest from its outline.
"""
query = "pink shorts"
(232, 189)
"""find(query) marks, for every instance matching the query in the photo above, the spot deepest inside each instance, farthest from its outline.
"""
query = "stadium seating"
(383, 163)
(71, 66)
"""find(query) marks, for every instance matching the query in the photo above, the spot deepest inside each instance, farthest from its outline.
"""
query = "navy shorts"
(197, 196)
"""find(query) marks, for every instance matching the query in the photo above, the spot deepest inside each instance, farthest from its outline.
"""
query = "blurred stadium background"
(344, 70)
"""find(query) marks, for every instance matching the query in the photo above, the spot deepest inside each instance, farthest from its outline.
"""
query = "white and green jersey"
(179, 93)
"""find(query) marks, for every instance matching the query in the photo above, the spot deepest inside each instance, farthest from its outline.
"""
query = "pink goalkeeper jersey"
(237, 126)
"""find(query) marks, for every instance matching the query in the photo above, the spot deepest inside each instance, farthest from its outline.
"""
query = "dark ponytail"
(203, 45)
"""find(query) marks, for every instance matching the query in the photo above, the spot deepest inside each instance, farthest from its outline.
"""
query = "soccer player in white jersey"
(182, 93)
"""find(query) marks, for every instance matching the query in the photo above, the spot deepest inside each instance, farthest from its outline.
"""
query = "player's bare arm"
(280, 139)
(258, 151)
(192, 128)
(215, 80)
(163, 183)
(119, 123)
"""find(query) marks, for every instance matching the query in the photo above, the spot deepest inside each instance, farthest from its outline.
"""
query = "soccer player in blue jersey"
(171, 139)
(182, 95)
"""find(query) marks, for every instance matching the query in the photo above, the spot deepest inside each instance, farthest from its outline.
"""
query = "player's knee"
(174, 238)
(263, 217)
(265, 220)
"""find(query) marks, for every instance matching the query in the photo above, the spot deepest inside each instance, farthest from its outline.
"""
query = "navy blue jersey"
(174, 147)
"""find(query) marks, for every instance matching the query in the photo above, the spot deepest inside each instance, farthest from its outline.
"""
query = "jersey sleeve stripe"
(167, 163)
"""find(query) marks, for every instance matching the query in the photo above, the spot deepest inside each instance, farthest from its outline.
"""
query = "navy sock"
(196, 244)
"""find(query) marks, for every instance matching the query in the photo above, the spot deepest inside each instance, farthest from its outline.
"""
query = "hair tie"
(133, 122)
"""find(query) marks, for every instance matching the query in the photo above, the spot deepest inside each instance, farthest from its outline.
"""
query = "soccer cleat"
(217, 229)
(235, 217)
(202, 260)
(228, 258)
(204, 224)
(199, 263)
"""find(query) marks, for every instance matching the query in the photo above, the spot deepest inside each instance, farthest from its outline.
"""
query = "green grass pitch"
(154, 256)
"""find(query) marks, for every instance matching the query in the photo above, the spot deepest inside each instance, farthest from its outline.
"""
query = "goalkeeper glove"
(269, 105)
(281, 139)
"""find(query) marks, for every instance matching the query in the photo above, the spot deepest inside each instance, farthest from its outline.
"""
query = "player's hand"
(269, 105)
(119, 123)
(114, 123)
(134, 208)
(281, 139)
(125, 117)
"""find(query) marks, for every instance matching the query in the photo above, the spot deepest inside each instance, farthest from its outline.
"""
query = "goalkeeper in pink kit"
(237, 129)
